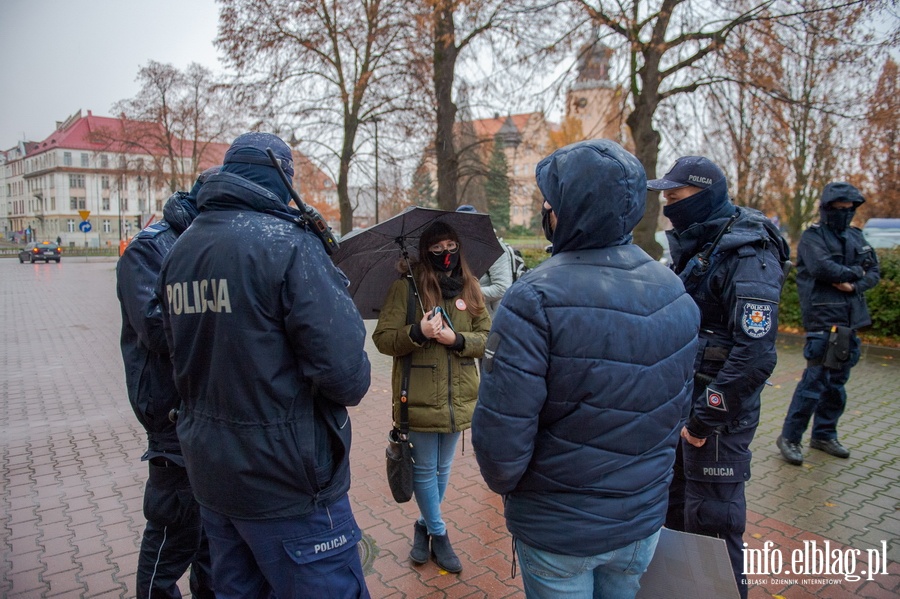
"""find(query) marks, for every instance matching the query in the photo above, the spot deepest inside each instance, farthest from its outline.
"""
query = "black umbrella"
(370, 257)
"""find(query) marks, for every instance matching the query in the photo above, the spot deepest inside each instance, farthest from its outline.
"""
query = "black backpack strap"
(407, 362)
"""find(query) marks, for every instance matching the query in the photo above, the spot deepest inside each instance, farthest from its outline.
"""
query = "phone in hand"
(437, 310)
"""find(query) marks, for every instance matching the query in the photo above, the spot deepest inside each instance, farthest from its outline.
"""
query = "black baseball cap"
(688, 170)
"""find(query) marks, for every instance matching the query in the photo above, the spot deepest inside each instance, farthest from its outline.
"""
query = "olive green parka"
(443, 383)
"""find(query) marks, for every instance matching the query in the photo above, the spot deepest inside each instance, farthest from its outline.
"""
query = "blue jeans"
(298, 558)
(432, 456)
(615, 574)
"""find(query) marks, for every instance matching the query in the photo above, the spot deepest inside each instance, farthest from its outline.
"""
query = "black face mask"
(445, 261)
(694, 209)
(545, 224)
(838, 219)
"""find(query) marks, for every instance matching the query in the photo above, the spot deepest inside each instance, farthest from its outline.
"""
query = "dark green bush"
(883, 300)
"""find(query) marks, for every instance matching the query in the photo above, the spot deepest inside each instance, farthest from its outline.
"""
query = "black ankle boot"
(443, 553)
(419, 553)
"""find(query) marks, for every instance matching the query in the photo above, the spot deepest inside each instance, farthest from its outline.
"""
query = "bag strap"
(407, 362)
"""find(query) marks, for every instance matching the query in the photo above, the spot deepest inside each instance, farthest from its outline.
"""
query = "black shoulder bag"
(399, 449)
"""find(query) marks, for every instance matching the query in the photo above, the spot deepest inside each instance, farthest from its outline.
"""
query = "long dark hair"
(428, 278)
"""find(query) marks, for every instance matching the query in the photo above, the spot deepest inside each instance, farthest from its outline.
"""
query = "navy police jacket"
(738, 299)
(588, 369)
(267, 347)
(825, 257)
(148, 369)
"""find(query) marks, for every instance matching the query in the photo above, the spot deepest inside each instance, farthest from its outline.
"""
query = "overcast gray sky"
(59, 56)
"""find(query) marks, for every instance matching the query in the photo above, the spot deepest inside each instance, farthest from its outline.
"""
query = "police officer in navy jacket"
(173, 537)
(835, 267)
(732, 261)
(268, 352)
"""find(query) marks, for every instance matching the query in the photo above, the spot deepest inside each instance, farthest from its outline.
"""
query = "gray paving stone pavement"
(71, 482)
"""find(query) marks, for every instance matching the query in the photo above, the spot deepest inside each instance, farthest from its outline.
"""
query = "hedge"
(883, 299)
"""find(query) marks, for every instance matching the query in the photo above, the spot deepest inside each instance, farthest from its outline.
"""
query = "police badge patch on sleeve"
(716, 400)
(756, 319)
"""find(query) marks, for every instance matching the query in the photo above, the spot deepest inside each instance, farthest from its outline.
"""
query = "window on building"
(125, 204)
(122, 162)
(67, 158)
(81, 204)
(76, 181)
(107, 226)
(104, 161)
(105, 204)
(73, 204)
(52, 203)
(70, 225)
(104, 182)
(84, 160)
(159, 205)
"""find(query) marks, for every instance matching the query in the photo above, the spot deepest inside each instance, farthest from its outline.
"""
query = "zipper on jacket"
(450, 390)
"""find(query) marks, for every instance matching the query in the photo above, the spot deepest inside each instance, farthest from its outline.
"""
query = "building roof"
(490, 127)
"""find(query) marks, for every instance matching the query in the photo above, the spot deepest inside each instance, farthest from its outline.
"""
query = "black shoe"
(831, 447)
(443, 553)
(791, 452)
(419, 553)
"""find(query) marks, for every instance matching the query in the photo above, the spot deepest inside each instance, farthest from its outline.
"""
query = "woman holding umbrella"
(443, 344)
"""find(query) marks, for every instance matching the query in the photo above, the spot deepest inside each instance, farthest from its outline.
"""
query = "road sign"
(85, 227)
(84, 214)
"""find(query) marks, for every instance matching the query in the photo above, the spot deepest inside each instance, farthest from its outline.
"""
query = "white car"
(882, 232)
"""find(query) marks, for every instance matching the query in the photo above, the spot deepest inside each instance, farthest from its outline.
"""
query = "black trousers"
(173, 538)
(707, 498)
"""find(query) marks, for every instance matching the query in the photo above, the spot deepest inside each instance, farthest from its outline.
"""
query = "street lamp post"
(376, 120)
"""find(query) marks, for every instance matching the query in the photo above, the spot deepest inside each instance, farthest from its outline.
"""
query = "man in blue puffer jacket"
(268, 352)
(587, 379)
(173, 537)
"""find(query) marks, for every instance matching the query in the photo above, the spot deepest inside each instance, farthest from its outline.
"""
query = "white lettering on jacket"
(718, 472)
(196, 297)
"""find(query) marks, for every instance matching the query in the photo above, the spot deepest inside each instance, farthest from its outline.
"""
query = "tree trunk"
(646, 144)
(346, 208)
(445, 54)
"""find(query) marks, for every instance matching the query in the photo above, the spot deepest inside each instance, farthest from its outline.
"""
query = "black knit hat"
(436, 231)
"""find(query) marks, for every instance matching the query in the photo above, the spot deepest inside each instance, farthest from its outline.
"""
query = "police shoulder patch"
(716, 400)
(756, 319)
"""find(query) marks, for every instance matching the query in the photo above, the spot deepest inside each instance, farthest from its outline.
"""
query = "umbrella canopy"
(370, 257)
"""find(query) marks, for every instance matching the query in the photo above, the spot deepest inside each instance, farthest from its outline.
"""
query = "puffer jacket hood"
(597, 191)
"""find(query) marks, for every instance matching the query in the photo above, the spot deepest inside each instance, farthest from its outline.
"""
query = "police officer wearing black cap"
(732, 262)
(173, 537)
(268, 351)
(835, 267)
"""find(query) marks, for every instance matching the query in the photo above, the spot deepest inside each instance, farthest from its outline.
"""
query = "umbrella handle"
(412, 279)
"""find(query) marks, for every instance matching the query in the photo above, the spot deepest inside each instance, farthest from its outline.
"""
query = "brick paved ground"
(71, 486)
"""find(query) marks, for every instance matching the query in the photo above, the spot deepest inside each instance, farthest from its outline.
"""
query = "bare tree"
(667, 44)
(513, 31)
(326, 65)
(880, 149)
(173, 119)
